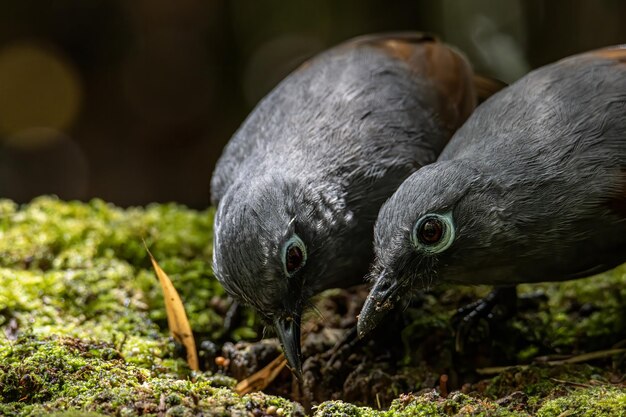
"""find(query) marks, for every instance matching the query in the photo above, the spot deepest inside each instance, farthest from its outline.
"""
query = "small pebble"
(209, 347)
(219, 361)
(271, 410)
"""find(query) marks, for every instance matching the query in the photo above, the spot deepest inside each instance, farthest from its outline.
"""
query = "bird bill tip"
(381, 300)
(288, 331)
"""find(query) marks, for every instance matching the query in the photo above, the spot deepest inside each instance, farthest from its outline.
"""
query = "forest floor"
(84, 332)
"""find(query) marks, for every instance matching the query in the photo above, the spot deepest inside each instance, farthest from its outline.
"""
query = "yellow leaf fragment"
(261, 379)
(176, 316)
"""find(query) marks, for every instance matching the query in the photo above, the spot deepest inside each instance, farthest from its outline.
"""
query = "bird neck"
(326, 202)
(340, 246)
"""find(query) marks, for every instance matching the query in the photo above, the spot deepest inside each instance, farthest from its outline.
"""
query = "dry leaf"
(176, 317)
(261, 379)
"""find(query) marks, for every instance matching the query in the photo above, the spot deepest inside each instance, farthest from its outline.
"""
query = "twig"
(494, 370)
(585, 357)
(589, 356)
(575, 384)
(443, 385)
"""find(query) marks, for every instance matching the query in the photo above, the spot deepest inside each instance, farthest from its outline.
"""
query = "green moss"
(538, 380)
(76, 265)
(86, 331)
(579, 313)
(456, 404)
(38, 375)
(72, 413)
(342, 409)
(590, 402)
(84, 313)
(425, 405)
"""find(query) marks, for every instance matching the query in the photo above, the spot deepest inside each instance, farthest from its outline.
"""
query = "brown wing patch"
(616, 54)
(403, 47)
(446, 68)
(487, 86)
(401, 41)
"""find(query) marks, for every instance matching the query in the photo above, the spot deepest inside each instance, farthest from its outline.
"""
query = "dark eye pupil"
(294, 258)
(431, 231)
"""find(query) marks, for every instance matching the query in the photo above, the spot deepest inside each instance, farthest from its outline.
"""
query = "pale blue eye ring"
(294, 255)
(433, 233)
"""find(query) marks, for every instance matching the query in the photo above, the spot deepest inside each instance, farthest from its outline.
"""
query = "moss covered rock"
(85, 332)
(425, 405)
(83, 313)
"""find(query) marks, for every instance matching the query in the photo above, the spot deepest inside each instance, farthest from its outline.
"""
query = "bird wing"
(450, 95)
(487, 86)
(429, 59)
(447, 68)
(402, 46)
(617, 54)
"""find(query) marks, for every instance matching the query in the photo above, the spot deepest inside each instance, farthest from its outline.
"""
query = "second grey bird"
(299, 185)
(531, 188)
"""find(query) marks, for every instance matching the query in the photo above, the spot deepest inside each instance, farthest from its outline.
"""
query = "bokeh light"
(143, 96)
(38, 88)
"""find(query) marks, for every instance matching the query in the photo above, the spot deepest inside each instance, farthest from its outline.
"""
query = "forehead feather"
(433, 188)
(250, 226)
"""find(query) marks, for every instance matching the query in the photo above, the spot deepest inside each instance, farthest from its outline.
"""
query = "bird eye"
(294, 255)
(433, 233)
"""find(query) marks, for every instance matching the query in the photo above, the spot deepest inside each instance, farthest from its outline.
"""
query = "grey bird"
(300, 184)
(531, 188)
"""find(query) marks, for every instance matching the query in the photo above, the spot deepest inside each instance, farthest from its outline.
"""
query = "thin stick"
(585, 357)
(443, 385)
(575, 384)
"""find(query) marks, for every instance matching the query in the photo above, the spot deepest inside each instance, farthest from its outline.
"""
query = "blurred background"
(133, 101)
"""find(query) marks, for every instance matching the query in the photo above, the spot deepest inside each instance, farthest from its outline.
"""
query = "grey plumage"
(533, 184)
(318, 156)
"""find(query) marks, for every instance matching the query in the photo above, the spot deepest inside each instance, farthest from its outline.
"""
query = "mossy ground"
(85, 332)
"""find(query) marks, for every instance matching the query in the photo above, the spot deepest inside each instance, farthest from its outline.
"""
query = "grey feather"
(318, 156)
(535, 181)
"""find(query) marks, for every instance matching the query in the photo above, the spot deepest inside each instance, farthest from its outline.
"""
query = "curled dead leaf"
(177, 320)
(261, 379)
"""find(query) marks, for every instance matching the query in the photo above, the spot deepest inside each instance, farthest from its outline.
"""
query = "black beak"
(381, 300)
(289, 335)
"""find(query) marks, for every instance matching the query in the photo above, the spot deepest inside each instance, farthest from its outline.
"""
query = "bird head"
(273, 245)
(432, 228)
